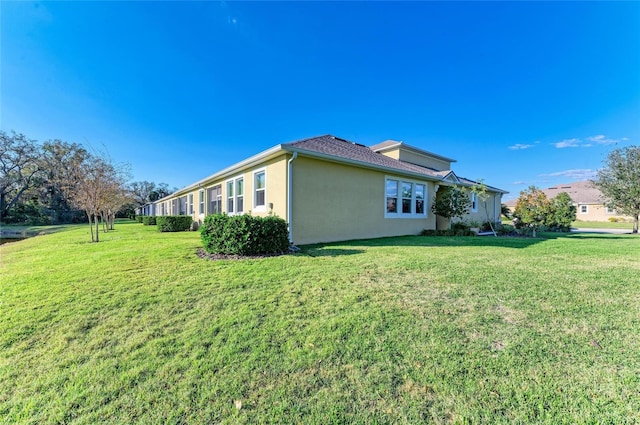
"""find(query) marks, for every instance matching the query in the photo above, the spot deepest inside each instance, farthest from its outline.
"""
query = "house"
(330, 189)
(587, 199)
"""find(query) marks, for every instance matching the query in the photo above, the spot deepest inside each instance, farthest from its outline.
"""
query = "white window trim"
(218, 198)
(474, 202)
(586, 211)
(260, 208)
(235, 195)
(202, 207)
(412, 215)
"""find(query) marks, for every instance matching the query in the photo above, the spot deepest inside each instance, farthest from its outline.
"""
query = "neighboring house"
(330, 189)
(585, 196)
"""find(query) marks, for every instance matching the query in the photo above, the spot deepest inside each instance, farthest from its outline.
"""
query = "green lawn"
(602, 225)
(138, 329)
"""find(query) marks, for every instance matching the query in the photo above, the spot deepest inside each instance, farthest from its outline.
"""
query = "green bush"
(244, 235)
(460, 226)
(149, 220)
(174, 223)
(139, 218)
(449, 232)
(505, 229)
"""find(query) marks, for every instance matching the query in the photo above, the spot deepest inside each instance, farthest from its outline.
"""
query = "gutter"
(290, 194)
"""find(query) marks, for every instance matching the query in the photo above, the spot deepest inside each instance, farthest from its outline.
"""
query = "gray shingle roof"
(344, 149)
(582, 192)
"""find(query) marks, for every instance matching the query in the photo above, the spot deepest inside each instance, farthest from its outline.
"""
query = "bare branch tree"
(95, 185)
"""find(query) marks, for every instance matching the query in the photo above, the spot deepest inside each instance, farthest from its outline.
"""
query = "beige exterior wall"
(423, 160)
(395, 153)
(275, 193)
(335, 202)
(597, 212)
(483, 214)
(415, 158)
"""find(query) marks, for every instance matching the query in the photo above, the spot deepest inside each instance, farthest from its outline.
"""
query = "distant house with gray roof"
(588, 200)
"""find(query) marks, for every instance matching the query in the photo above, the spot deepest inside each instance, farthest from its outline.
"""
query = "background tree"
(562, 212)
(142, 191)
(454, 202)
(619, 182)
(532, 209)
(58, 158)
(160, 191)
(19, 169)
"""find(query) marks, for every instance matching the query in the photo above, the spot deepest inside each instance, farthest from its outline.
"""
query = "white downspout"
(290, 195)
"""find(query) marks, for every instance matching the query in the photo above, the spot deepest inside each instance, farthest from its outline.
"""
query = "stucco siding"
(486, 210)
(335, 202)
(275, 191)
(597, 212)
(414, 158)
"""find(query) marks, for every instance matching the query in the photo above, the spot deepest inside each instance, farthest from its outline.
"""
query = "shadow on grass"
(337, 248)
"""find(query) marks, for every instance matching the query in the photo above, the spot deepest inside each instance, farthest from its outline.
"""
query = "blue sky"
(519, 93)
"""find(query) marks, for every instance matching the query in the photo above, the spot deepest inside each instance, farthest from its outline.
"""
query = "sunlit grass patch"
(137, 328)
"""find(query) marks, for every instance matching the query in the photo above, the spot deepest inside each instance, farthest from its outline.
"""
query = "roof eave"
(233, 169)
(362, 164)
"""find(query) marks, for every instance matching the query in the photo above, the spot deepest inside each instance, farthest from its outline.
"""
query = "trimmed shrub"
(244, 235)
(139, 218)
(149, 220)
(174, 223)
(448, 232)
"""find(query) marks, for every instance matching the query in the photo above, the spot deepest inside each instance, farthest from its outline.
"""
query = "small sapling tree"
(453, 203)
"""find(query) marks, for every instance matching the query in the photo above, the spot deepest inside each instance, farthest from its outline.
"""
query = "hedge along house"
(330, 189)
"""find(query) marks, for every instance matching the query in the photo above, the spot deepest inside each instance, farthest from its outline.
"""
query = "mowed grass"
(603, 225)
(138, 329)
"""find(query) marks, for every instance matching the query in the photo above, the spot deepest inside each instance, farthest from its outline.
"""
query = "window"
(230, 196)
(405, 199)
(584, 209)
(215, 200)
(235, 199)
(239, 195)
(392, 196)
(609, 210)
(474, 202)
(419, 198)
(201, 197)
(191, 203)
(259, 188)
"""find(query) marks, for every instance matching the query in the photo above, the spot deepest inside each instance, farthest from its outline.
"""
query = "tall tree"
(19, 169)
(58, 159)
(619, 182)
(142, 192)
